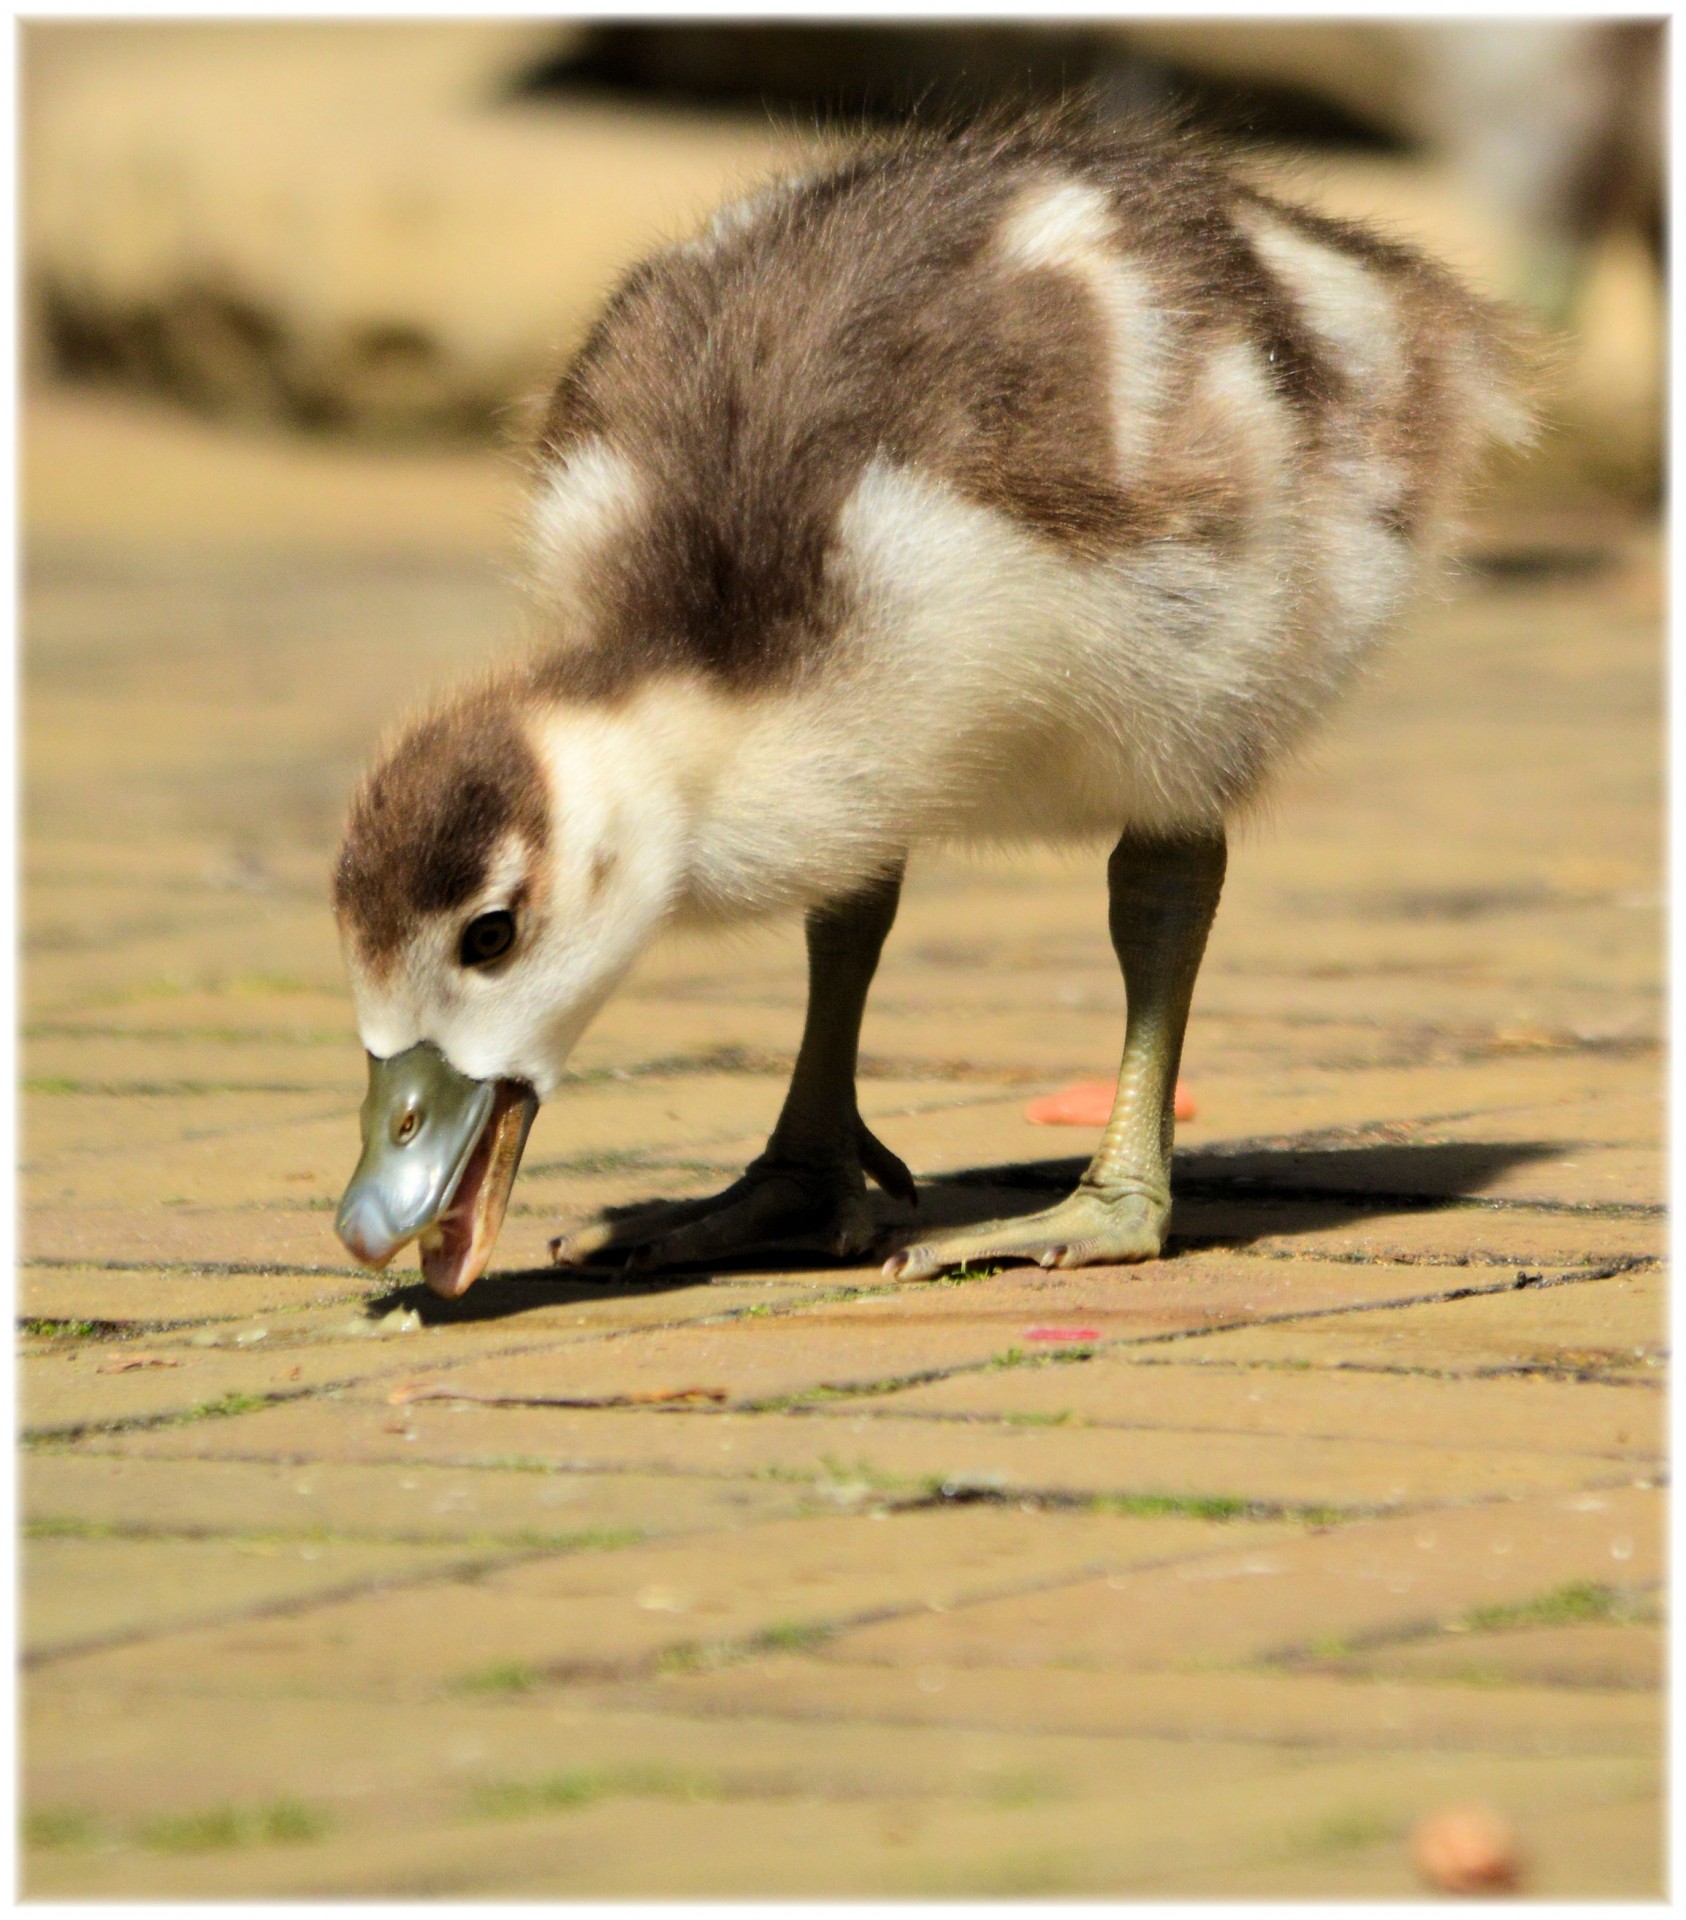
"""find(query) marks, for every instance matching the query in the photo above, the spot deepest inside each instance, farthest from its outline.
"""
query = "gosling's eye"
(486, 939)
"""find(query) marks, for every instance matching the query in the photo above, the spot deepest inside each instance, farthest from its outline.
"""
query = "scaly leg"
(810, 1181)
(1163, 894)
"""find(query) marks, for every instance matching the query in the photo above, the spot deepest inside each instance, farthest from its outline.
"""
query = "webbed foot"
(818, 1198)
(1089, 1228)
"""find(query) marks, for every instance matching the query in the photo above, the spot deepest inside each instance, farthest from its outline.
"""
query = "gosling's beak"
(439, 1158)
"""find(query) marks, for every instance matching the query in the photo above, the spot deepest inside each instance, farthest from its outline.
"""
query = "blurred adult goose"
(1037, 482)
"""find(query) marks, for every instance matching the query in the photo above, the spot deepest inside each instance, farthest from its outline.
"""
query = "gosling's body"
(1029, 488)
(1038, 484)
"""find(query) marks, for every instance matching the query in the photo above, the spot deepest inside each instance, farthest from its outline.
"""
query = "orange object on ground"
(1467, 1850)
(1088, 1103)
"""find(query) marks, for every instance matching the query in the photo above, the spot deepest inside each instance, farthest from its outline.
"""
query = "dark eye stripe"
(486, 938)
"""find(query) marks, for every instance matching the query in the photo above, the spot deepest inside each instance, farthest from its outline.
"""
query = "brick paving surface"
(786, 1580)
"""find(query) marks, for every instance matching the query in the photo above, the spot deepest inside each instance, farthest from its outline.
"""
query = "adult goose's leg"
(811, 1180)
(1163, 894)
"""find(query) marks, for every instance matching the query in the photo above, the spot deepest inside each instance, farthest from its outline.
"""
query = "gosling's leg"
(1163, 894)
(810, 1181)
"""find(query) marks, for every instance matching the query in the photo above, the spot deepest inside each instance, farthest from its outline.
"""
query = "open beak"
(439, 1158)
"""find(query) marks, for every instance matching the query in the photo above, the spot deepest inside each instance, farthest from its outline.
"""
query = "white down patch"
(1003, 689)
(1069, 227)
(578, 506)
(1347, 304)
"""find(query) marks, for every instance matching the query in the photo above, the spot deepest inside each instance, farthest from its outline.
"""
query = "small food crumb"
(1088, 1103)
(1468, 1849)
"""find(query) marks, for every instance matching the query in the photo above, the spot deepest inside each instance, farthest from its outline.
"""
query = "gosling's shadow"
(1223, 1199)
(1232, 1197)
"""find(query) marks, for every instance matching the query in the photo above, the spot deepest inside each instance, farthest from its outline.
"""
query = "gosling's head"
(490, 892)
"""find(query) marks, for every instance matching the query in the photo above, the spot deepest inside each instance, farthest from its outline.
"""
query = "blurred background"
(392, 229)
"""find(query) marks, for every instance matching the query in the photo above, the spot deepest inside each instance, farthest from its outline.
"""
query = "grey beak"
(421, 1123)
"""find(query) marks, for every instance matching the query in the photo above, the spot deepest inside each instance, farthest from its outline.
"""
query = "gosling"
(1042, 482)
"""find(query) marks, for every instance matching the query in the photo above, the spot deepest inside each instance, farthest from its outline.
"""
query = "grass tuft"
(60, 1829)
(218, 1829)
(686, 1656)
(1183, 1506)
(501, 1676)
(1351, 1830)
(1579, 1602)
(584, 1786)
(1330, 1646)
(792, 1636)
(225, 1406)
(965, 1273)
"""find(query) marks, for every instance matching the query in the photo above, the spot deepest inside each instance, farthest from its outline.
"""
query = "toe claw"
(889, 1170)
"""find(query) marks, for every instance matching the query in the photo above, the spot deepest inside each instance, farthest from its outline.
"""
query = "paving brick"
(1363, 1580)
(81, 1593)
(246, 946)
(847, 1445)
(411, 1765)
(257, 1014)
(741, 1361)
(600, 1612)
(1616, 1327)
(144, 1297)
(1610, 1424)
(74, 1066)
(1332, 1707)
(62, 1133)
(404, 1502)
(81, 1385)
(1592, 1657)
(95, 1384)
